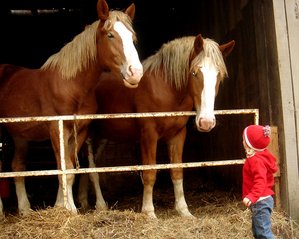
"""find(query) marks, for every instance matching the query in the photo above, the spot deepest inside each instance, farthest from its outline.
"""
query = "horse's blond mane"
(82, 51)
(174, 58)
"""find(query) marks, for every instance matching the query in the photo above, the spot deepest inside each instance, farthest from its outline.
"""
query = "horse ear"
(198, 44)
(227, 48)
(103, 10)
(130, 11)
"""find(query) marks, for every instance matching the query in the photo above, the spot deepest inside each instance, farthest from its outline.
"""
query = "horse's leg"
(60, 201)
(83, 185)
(83, 182)
(18, 164)
(1, 209)
(1, 205)
(94, 178)
(148, 153)
(69, 204)
(175, 151)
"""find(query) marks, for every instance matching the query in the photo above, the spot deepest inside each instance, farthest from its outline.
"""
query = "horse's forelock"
(212, 51)
(122, 17)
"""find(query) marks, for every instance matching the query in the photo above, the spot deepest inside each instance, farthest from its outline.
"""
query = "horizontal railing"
(63, 171)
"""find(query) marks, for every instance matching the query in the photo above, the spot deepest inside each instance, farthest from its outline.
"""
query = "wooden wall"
(287, 32)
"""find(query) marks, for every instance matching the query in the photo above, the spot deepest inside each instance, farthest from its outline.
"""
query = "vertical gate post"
(62, 161)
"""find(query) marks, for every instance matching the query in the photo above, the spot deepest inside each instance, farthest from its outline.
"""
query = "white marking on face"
(208, 93)
(132, 58)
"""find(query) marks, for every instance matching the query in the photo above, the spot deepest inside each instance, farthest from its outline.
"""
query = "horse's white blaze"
(208, 93)
(133, 65)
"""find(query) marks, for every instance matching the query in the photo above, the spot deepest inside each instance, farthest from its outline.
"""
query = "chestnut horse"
(183, 75)
(65, 85)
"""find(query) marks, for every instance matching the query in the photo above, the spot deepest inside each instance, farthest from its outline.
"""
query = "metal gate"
(63, 171)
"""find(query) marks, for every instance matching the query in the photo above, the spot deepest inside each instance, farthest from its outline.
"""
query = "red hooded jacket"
(258, 179)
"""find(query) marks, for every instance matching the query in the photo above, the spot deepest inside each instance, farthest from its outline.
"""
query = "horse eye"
(195, 72)
(110, 35)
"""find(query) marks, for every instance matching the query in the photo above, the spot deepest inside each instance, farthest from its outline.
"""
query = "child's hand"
(246, 202)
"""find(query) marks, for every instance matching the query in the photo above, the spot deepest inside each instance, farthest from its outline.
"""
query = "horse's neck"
(81, 87)
(184, 99)
(168, 95)
(88, 78)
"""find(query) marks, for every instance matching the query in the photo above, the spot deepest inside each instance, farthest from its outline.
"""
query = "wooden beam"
(285, 19)
(274, 149)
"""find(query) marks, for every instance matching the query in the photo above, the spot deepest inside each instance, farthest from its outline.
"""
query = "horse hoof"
(24, 212)
(185, 213)
(74, 210)
(151, 215)
(84, 205)
(101, 207)
(190, 216)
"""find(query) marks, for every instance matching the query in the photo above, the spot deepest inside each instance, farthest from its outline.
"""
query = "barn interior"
(33, 30)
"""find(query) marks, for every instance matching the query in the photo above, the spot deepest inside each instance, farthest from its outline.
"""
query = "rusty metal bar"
(123, 168)
(65, 171)
(126, 115)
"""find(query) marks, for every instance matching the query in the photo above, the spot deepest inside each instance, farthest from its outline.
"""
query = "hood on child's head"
(269, 159)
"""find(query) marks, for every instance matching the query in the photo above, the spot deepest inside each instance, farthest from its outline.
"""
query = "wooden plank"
(288, 136)
(274, 149)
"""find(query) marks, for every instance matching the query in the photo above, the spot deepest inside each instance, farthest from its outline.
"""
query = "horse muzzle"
(132, 77)
(205, 124)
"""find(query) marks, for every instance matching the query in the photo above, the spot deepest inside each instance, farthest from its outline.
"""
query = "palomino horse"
(183, 75)
(65, 85)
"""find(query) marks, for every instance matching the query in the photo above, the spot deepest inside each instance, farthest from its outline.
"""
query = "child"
(258, 179)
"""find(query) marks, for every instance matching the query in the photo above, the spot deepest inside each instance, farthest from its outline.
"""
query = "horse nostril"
(131, 70)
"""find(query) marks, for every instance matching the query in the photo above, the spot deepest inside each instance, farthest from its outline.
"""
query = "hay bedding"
(218, 215)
